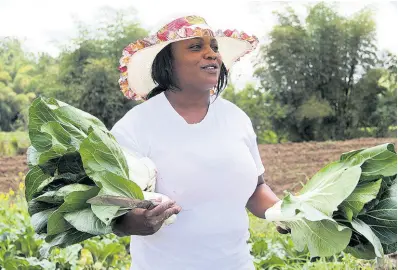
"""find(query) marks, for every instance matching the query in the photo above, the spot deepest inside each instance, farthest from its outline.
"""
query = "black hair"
(162, 74)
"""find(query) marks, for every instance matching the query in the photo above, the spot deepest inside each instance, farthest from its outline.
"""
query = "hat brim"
(136, 81)
(140, 64)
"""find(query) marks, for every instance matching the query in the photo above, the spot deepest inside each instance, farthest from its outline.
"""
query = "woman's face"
(197, 62)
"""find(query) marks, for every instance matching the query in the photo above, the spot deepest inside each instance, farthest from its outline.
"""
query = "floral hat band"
(136, 62)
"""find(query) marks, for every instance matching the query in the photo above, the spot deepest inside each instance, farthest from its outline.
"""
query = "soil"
(286, 165)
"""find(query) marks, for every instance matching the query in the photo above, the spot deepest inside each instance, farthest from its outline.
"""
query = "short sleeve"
(126, 134)
(254, 148)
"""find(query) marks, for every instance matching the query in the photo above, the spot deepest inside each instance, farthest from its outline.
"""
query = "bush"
(13, 143)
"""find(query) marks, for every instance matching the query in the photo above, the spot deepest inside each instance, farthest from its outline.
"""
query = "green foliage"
(19, 247)
(16, 74)
(325, 74)
(13, 143)
(258, 105)
(85, 74)
(350, 203)
(73, 158)
(275, 251)
(88, 70)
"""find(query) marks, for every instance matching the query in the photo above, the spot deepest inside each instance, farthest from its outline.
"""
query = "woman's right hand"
(141, 221)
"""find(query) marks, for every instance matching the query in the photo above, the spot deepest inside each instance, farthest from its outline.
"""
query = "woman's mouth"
(210, 68)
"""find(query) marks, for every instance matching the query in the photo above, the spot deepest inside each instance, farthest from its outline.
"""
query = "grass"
(13, 143)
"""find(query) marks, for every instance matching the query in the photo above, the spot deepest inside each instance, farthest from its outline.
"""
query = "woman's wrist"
(117, 226)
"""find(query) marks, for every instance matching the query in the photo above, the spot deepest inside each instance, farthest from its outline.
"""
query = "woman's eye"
(215, 48)
(196, 47)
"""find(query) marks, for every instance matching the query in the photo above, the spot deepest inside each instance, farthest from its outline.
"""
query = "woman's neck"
(188, 100)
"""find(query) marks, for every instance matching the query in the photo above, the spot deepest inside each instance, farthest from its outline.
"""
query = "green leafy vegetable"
(350, 205)
(73, 158)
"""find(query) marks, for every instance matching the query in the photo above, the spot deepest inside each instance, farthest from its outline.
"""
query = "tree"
(16, 73)
(313, 71)
(256, 104)
(89, 68)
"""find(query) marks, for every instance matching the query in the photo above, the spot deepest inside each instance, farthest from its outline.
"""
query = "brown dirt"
(9, 169)
(286, 165)
(290, 164)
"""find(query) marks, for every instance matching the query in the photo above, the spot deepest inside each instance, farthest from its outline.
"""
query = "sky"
(44, 24)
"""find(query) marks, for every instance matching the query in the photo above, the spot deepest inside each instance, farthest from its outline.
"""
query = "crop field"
(286, 165)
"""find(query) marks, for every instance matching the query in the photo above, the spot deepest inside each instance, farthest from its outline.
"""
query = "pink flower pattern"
(180, 28)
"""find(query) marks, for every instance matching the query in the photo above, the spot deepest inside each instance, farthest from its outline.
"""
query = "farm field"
(286, 165)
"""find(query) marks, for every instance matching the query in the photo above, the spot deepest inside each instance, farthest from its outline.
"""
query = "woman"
(203, 146)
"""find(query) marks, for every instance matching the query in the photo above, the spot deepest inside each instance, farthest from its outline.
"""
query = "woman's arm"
(262, 198)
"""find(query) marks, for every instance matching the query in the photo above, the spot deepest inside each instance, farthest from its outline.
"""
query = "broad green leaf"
(70, 163)
(40, 112)
(59, 181)
(14, 263)
(33, 180)
(39, 220)
(113, 184)
(61, 140)
(109, 249)
(384, 163)
(362, 251)
(70, 237)
(101, 154)
(376, 162)
(57, 224)
(85, 221)
(78, 118)
(390, 248)
(322, 237)
(328, 188)
(36, 206)
(385, 184)
(382, 218)
(367, 232)
(361, 195)
(57, 196)
(35, 263)
(76, 200)
(105, 213)
(350, 154)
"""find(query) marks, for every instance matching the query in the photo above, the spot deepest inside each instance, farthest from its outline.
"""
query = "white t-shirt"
(210, 169)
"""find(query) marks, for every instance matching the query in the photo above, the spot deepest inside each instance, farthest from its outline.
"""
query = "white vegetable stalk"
(164, 198)
(143, 172)
(274, 214)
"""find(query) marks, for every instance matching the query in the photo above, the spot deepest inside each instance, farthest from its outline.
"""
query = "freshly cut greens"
(349, 205)
(74, 158)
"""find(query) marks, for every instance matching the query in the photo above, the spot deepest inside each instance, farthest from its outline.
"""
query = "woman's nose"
(210, 54)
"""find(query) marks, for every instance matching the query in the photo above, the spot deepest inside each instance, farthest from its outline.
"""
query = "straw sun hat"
(136, 63)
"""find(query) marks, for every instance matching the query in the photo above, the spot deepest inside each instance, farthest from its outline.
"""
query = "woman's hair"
(162, 74)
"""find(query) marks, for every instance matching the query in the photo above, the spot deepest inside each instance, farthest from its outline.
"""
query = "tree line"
(320, 79)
